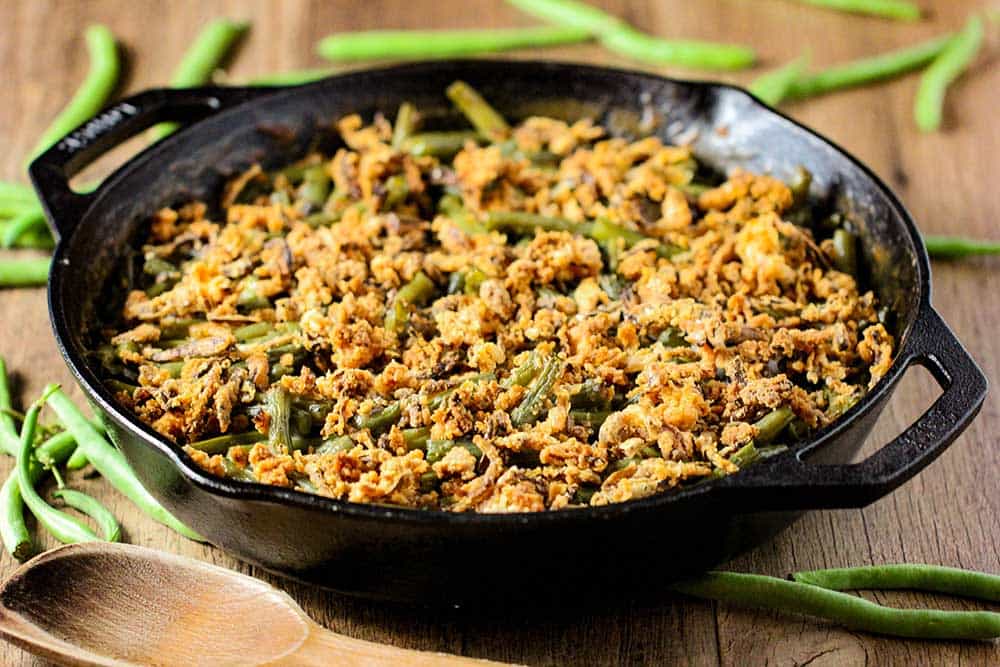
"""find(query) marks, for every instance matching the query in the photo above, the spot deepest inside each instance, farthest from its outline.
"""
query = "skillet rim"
(98, 394)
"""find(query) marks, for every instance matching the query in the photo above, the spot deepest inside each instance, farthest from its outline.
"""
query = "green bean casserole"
(503, 319)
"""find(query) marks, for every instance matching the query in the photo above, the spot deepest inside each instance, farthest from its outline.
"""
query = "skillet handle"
(788, 483)
(51, 171)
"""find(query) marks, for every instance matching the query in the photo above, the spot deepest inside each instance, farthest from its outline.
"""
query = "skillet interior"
(727, 129)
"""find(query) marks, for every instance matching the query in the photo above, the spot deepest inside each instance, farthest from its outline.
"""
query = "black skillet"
(437, 557)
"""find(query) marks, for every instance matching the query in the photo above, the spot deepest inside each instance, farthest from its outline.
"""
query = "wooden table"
(949, 514)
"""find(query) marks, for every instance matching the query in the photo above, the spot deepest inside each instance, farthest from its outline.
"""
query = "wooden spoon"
(98, 603)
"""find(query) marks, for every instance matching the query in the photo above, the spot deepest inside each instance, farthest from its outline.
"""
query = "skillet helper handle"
(790, 483)
(52, 170)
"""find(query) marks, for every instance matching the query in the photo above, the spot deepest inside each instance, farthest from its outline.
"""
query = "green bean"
(29, 221)
(583, 494)
(487, 121)
(456, 283)
(377, 422)
(672, 337)
(419, 290)
(279, 434)
(772, 424)
(416, 438)
(413, 44)
(292, 77)
(221, 444)
(315, 186)
(203, 57)
(335, 445)
(474, 279)
(845, 252)
(928, 106)
(104, 519)
(438, 144)
(934, 578)
(24, 272)
(629, 42)
(406, 122)
(890, 9)
(77, 460)
(154, 266)
(9, 441)
(15, 192)
(93, 93)
(593, 394)
(396, 192)
(868, 70)
(956, 247)
(111, 463)
(438, 449)
(570, 13)
(255, 330)
(250, 300)
(590, 418)
(237, 472)
(531, 406)
(523, 374)
(772, 87)
(13, 529)
(173, 368)
(62, 526)
(527, 223)
(15, 208)
(37, 238)
(850, 611)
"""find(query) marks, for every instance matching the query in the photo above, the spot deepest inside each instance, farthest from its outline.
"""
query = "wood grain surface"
(949, 514)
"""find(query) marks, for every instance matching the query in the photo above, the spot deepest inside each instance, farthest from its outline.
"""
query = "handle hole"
(913, 396)
(106, 164)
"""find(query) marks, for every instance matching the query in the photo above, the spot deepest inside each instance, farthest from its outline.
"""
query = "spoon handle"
(323, 647)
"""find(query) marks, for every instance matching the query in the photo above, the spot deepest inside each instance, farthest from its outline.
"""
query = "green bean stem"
(685, 53)
(93, 93)
(404, 44)
(90, 506)
(956, 247)
(111, 463)
(203, 57)
(928, 106)
(62, 526)
(934, 578)
(850, 611)
(899, 10)
(24, 272)
(772, 87)
(868, 70)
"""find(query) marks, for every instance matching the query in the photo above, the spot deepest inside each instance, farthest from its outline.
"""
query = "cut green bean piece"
(928, 106)
(918, 577)
(590, 418)
(416, 438)
(315, 186)
(417, 44)
(279, 434)
(201, 60)
(380, 421)
(848, 610)
(221, 444)
(104, 519)
(418, 291)
(956, 247)
(406, 123)
(530, 408)
(111, 463)
(845, 252)
(438, 449)
(251, 331)
(868, 70)
(672, 337)
(772, 87)
(528, 223)
(487, 121)
(77, 461)
(899, 10)
(334, 445)
(93, 93)
(772, 424)
(439, 144)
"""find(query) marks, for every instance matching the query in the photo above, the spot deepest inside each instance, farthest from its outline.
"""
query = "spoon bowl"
(100, 603)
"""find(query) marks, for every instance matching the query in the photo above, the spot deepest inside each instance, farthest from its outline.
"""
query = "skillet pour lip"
(97, 392)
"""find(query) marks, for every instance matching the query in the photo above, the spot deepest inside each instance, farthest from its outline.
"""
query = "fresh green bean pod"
(111, 463)
(24, 272)
(422, 44)
(956, 247)
(933, 578)
(16, 192)
(772, 87)
(685, 53)
(93, 93)
(928, 106)
(868, 70)
(899, 10)
(30, 221)
(201, 60)
(487, 120)
(77, 461)
(9, 441)
(104, 519)
(850, 611)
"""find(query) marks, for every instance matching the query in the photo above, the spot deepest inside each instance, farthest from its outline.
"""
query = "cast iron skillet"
(446, 558)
